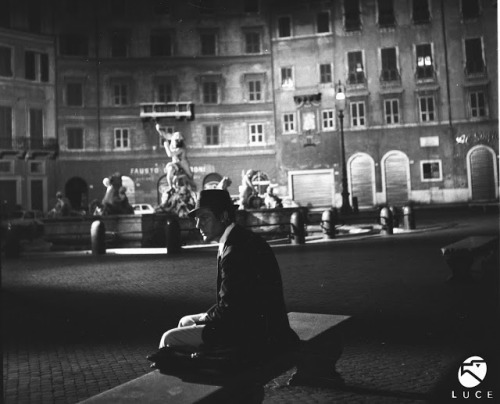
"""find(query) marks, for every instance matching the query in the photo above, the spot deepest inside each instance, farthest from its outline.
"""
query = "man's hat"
(217, 200)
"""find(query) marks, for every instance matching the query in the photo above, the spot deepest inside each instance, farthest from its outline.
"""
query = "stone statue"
(115, 201)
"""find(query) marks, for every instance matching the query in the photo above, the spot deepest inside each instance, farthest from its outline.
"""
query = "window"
(119, 44)
(287, 77)
(210, 92)
(474, 62)
(5, 127)
(425, 69)
(426, 106)
(352, 20)
(355, 66)
(74, 138)
(120, 94)
(208, 42)
(328, 119)
(323, 22)
(421, 14)
(161, 7)
(289, 124)
(37, 167)
(212, 135)
(256, 133)
(430, 170)
(161, 43)
(36, 128)
(325, 73)
(389, 65)
(164, 92)
(36, 66)
(74, 94)
(74, 45)
(386, 13)
(252, 42)
(5, 61)
(251, 6)
(477, 104)
(357, 113)
(470, 9)
(255, 90)
(284, 27)
(6, 167)
(391, 110)
(122, 140)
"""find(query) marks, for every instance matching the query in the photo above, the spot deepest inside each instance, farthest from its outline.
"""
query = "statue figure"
(271, 200)
(180, 202)
(246, 190)
(115, 201)
(178, 168)
(62, 207)
(224, 183)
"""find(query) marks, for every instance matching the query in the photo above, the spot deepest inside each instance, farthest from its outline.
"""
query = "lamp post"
(340, 106)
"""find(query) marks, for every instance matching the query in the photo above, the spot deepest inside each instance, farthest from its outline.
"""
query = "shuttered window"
(482, 175)
(312, 188)
(396, 179)
(362, 180)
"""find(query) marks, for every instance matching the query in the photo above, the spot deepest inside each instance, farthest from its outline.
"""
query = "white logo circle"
(472, 371)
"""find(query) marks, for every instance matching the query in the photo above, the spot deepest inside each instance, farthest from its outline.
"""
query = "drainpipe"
(448, 94)
(270, 27)
(98, 76)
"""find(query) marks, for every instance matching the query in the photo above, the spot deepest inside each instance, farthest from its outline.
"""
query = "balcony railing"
(475, 69)
(355, 77)
(389, 75)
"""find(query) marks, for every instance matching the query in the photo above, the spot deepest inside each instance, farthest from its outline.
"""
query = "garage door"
(396, 179)
(362, 180)
(312, 188)
(482, 174)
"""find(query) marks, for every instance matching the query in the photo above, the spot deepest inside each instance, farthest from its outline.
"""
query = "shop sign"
(479, 136)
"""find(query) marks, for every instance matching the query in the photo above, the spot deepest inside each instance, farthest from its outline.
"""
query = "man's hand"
(192, 319)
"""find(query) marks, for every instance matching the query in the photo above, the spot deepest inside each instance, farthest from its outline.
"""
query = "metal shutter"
(362, 180)
(396, 179)
(482, 175)
(315, 189)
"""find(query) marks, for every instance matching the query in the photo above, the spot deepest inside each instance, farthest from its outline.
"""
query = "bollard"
(355, 206)
(172, 235)
(297, 231)
(328, 220)
(395, 216)
(408, 218)
(386, 221)
(98, 237)
(12, 243)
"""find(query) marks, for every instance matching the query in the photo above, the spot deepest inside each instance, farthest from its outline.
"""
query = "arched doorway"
(482, 173)
(76, 190)
(362, 179)
(396, 177)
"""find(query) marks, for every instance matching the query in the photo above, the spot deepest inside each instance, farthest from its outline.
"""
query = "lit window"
(256, 133)
(425, 69)
(357, 114)
(426, 106)
(289, 125)
(122, 140)
(328, 119)
(287, 77)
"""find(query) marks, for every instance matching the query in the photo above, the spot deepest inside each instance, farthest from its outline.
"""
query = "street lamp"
(340, 106)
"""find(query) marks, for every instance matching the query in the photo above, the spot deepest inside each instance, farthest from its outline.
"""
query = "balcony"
(390, 76)
(23, 147)
(425, 74)
(356, 78)
(475, 70)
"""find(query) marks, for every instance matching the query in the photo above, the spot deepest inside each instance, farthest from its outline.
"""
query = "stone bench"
(321, 347)
(467, 256)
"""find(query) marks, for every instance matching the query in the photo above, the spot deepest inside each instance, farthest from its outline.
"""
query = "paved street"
(75, 325)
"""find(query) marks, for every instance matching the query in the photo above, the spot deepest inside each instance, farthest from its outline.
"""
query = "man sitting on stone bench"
(249, 314)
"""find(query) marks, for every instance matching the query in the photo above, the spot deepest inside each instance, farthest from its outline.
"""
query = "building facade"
(421, 118)
(420, 123)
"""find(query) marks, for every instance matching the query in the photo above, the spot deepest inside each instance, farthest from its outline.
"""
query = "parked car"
(142, 208)
(27, 223)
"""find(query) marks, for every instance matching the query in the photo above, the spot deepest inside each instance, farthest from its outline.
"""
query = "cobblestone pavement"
(76, 325)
